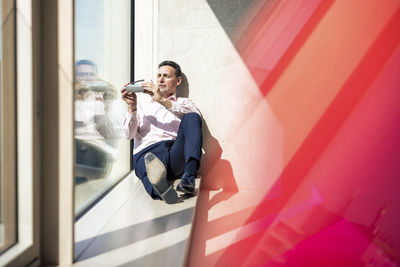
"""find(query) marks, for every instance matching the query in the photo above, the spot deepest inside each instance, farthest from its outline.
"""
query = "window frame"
(8, 131)
(20, 142)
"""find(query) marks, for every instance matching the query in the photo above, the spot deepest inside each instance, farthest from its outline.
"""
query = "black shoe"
(187, 184)
(157, 175)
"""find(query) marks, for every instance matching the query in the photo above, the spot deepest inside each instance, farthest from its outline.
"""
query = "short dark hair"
(173, 64)
(86, 62)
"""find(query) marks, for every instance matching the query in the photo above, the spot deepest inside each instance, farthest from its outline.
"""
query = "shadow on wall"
(232, 13)
(218, 183)
(216, 173)
(183, 89)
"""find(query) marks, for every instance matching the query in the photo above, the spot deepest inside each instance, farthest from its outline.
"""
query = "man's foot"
(187, 184)
(157, 175)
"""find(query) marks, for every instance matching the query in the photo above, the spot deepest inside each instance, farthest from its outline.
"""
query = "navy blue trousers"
(173, 153)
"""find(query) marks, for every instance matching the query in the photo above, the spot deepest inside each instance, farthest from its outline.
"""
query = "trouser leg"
(187, 145)
(173, 154)
(160, 150)
(140, 170)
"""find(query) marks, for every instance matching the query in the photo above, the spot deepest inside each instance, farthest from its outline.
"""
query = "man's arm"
(183, 106)
(130, 122)
(165, 102)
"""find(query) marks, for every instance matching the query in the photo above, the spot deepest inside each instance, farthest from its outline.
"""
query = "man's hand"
(153, 90)
(130, 99)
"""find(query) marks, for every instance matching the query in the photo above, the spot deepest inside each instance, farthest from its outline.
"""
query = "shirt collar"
(172, 97)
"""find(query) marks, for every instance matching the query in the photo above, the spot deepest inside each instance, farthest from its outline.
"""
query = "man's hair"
(175, 65)
(86, 62)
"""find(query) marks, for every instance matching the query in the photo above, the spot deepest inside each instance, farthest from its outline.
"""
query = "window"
(8, 232)
(102, 66)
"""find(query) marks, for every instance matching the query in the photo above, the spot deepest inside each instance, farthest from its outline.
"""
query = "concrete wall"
(201, 35)
(241, 132)
(144, 40)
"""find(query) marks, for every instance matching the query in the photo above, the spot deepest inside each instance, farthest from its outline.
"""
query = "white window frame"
(25, 249)
(44, 134)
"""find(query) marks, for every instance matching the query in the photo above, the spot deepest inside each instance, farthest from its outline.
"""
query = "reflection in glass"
(101, 152)
(95, 135)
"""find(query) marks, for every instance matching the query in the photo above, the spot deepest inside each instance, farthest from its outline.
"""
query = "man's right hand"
(130, 99)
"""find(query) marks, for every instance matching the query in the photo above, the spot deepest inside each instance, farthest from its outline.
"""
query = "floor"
(128, 228)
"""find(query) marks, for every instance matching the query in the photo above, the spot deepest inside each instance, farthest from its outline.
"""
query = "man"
(86, 71)
(167, 135)
(94, 154)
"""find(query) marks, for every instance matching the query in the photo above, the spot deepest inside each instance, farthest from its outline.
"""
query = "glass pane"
(7, 126)
(102, 61)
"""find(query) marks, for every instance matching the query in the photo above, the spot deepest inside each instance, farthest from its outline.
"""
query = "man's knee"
(194, 117)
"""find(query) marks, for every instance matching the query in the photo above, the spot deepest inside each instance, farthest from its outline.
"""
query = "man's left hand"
(152, 90)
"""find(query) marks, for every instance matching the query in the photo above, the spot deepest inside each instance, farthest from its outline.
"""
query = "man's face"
(167, 81)
(85, 73)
